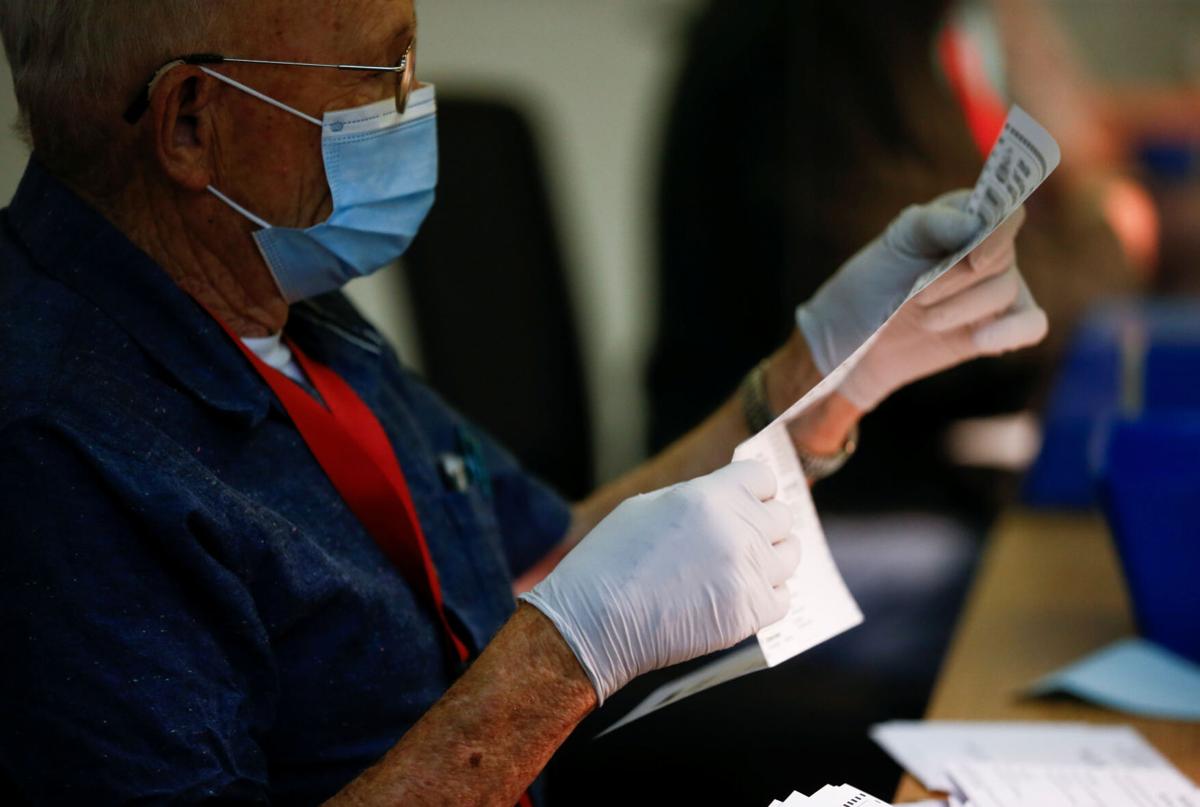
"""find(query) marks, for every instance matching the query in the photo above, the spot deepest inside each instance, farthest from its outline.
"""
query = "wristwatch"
(758, 414)
(819, 466)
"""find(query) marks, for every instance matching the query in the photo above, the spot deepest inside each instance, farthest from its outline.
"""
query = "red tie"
(352, 448)
(350, 445)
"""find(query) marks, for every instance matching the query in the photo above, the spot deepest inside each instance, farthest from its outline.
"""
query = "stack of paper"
(1044, 764)
(830, 796)
(1007, 784)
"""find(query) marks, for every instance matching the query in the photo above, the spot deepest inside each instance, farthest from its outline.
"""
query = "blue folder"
(1150, 490)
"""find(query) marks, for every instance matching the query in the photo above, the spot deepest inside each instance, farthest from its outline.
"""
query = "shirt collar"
(73, 243)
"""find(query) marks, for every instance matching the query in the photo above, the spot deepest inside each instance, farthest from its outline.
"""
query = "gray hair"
(77, 64)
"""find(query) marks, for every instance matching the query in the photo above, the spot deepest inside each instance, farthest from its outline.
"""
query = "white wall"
(1132, 40)
(595, 74)
(12, 151)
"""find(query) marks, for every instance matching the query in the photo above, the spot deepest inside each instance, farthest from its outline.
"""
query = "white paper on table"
(822, 607)
(1008, 784)
(927, 748)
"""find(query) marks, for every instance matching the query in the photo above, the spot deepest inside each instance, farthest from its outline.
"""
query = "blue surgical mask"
(381, 167)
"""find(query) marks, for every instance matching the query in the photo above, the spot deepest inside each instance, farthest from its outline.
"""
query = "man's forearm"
(492, 733)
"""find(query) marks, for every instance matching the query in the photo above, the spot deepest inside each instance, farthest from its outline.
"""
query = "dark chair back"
(489, 288)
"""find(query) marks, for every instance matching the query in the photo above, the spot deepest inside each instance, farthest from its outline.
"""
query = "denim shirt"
(188, 610)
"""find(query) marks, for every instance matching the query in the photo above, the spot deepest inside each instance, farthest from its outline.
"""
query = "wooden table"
(1048, 592)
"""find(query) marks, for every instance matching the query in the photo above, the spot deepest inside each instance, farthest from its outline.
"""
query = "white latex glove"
(981, 307)
(673, 575)
(863, 293)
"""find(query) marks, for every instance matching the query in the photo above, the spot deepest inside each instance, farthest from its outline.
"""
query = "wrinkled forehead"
(341, 31)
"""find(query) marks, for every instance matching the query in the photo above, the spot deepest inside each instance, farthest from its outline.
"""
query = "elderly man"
(235, 565)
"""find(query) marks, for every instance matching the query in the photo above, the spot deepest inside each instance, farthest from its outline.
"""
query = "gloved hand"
(981, 307)
(852, 304)
(673, 575)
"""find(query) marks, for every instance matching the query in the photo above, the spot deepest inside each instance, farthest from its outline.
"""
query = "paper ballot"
(999, 784)
(982, 764)
(730, 666)
(821, 606)
(1024, 156)
(929, 749)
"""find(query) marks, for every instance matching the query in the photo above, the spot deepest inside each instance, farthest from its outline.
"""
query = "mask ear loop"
(238, 208)
(262, 223)
(267, 99)
(262, 96)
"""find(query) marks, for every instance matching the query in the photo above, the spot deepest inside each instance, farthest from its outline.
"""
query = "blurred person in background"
(1126, 142)
(248, 556)
(868, 109)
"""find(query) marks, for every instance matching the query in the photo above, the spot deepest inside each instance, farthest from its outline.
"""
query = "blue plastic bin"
(1088, 393)
(1150, 490)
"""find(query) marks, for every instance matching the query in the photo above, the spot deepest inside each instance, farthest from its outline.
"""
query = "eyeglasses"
(404, 71)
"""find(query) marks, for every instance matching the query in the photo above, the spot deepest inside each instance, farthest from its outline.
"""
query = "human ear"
(181, 116)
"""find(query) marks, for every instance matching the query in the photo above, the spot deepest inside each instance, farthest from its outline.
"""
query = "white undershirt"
(272, 352)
